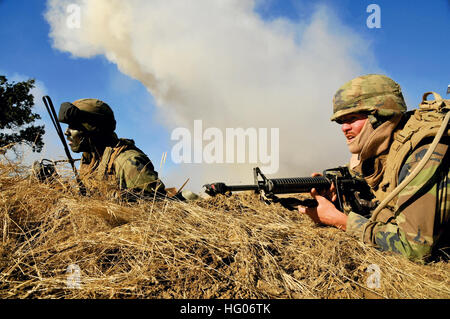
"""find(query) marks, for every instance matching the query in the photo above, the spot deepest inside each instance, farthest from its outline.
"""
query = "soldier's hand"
(330, 193)
(325, 212)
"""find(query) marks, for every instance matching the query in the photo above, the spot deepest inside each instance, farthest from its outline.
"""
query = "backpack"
(421, 123)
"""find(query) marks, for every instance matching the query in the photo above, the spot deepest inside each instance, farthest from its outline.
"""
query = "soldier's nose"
(346, 127)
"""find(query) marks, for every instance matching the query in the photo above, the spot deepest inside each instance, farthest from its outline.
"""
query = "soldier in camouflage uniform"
(387, 143)
(105, 156)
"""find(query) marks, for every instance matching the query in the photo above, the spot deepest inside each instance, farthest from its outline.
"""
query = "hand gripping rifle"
(51, 111)
(349, 190)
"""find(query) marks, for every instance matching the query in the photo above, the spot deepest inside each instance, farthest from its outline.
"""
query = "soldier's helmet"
(371, 94)
(92, 114)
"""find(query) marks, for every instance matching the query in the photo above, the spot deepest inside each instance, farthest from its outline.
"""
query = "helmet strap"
(374, 121)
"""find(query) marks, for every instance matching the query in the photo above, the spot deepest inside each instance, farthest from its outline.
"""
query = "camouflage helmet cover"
(95, 114)
(370, 94)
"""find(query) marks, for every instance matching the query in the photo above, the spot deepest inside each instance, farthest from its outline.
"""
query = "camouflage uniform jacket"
(129, 166)
(417, 221)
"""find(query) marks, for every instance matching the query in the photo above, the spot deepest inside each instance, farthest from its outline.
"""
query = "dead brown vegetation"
(223, 247)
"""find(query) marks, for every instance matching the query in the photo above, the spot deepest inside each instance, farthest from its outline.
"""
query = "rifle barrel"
(51, 111)
(239, 188)
(285, 185)
(290, 185)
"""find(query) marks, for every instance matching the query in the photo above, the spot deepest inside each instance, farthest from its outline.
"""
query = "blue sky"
(28, 52)
(412, 46)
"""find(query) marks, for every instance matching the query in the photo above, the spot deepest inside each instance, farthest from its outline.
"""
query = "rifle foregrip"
(297, 184)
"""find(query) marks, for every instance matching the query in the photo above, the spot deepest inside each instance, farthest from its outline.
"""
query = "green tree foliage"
(16, 115)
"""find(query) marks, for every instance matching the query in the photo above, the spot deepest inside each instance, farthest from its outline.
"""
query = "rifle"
(51, 111)
(350, 190)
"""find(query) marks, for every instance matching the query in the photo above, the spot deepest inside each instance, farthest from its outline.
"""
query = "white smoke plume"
(218, 61)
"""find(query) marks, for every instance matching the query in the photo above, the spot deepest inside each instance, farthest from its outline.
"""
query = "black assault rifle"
(350, 191)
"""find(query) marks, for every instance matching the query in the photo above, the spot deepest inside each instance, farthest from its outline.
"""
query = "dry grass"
(235, 247)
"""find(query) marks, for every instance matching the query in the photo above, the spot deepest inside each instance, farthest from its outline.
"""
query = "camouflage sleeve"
(421, 212)
(135, 171)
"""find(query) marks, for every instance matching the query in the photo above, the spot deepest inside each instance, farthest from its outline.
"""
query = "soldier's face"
(77, 138)
(352, 125)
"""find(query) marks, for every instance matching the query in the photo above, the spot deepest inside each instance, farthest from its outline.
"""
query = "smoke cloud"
(220, 62)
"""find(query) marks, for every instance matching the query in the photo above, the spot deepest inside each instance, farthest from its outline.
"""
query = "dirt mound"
(58, 244)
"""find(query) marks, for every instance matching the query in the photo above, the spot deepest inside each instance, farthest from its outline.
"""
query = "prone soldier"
(387, 144)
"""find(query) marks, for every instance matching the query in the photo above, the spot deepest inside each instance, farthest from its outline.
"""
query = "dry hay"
(223, 247)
